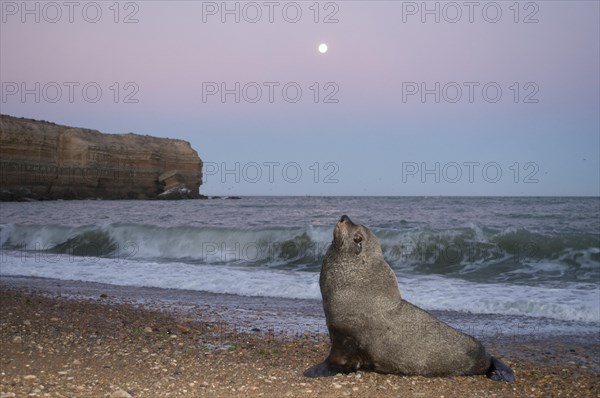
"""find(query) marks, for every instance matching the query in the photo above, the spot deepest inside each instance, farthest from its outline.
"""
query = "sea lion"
(372, 328)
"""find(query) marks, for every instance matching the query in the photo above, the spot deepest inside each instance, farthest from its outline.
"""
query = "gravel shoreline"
(61, 346)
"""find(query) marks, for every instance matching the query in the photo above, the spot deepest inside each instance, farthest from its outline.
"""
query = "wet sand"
(74, 339)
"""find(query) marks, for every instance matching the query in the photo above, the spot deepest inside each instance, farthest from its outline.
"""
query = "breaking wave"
(473, 253)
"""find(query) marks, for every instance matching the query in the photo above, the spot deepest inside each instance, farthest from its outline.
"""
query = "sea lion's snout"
(345, 218)
(342, 229)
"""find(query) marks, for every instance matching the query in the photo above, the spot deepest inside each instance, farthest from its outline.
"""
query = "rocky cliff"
(43, 160)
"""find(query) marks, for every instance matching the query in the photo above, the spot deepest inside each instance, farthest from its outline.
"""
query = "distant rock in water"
(43, 160)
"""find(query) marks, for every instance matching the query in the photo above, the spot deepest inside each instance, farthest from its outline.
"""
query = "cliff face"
(39, 159)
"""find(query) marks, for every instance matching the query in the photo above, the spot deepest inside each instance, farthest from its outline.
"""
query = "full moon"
(322, 48)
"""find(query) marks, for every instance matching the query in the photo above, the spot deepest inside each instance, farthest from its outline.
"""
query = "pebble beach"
(62, 345)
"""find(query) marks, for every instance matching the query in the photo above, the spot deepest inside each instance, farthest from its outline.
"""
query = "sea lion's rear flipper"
(325, 369)
(499, 371)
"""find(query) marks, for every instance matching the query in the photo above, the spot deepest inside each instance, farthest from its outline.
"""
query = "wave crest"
(474, 253)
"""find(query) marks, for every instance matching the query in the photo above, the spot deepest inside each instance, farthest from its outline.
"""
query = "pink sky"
(169, 53)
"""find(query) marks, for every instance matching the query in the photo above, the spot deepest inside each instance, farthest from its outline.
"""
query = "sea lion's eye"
(358, 243)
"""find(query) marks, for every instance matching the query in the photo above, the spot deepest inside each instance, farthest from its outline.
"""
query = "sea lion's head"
(355, 239)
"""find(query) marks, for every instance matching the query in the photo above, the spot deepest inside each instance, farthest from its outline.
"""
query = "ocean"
(529, 261)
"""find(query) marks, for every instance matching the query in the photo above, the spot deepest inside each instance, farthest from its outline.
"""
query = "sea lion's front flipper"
(499, 371)
(325, 369)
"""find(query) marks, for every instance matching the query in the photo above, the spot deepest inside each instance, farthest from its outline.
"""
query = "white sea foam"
(571, 303)
(211, 278)
(574, 303)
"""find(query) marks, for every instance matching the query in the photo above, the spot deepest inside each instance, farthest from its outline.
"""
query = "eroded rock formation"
(43, 160)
